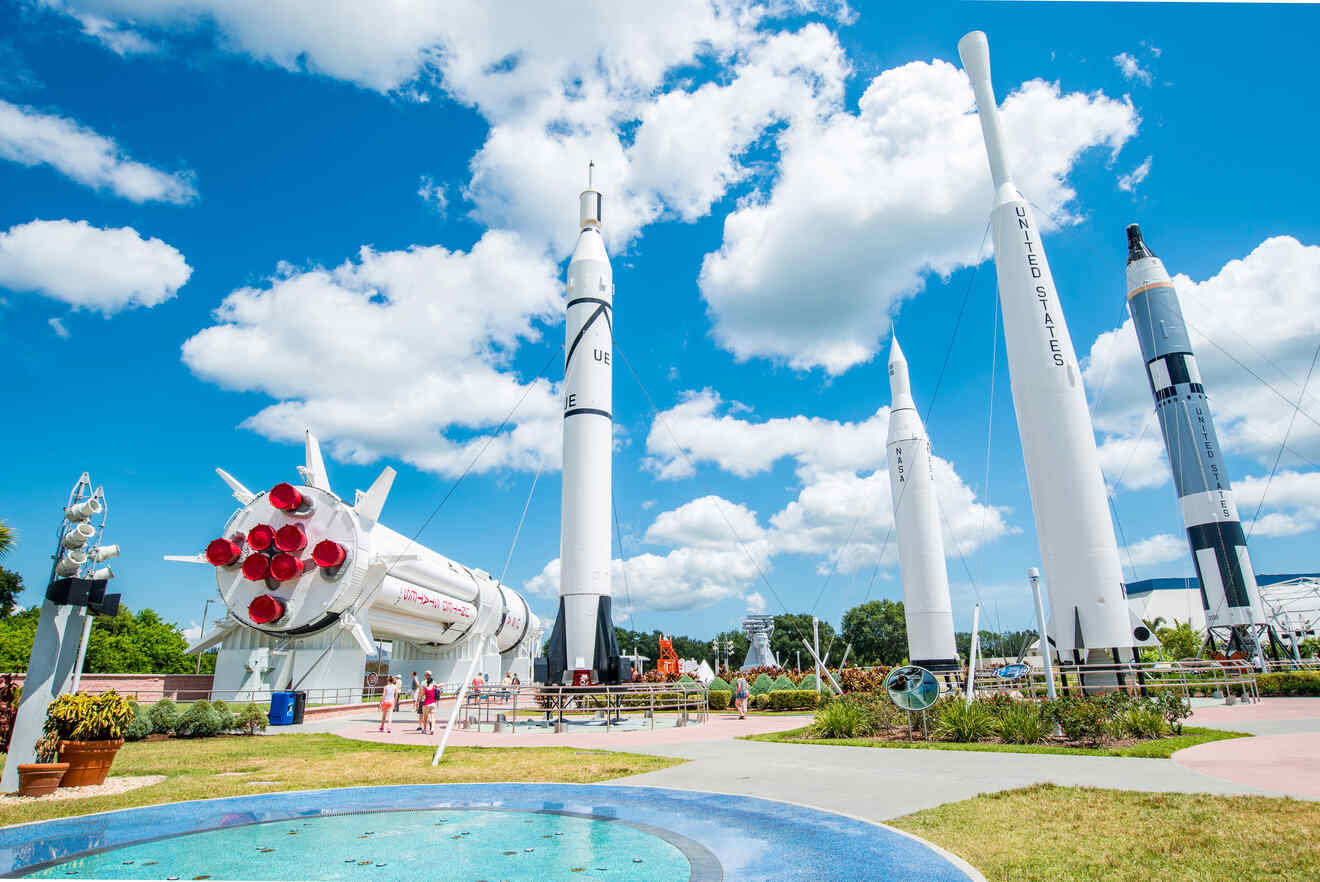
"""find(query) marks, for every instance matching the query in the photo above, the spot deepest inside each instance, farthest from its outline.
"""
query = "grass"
(1156, 748)
(1083, 833)
(310, 762)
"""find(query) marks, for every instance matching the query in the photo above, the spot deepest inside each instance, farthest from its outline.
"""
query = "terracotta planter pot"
(89, 761)
(40, 779)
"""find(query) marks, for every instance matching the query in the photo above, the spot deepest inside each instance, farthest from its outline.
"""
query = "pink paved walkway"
(1223, 715)
(1284, 763)
(719, 727)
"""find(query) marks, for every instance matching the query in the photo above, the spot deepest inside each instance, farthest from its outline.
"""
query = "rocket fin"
(188, 558)
(315, 472)
(1152, 640)
(1078, 643)
(369, 504)
(361, 632)
(241, 493)
(215, 638)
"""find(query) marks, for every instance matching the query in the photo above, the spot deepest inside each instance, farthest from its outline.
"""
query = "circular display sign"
(1013, 672)
(912, 688)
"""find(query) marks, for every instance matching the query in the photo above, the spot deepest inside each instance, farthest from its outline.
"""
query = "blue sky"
(190, 187)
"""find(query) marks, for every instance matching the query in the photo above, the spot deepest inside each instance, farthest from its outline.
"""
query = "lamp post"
(202, 633)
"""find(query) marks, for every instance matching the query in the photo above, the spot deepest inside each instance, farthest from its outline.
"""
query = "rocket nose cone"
(895, 353)
(1137, 247)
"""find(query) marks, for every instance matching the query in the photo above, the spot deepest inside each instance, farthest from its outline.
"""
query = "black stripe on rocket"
(1178, 368)
(602, 311)
(1225, 538)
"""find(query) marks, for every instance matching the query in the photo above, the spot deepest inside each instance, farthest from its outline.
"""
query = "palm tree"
(8, 536)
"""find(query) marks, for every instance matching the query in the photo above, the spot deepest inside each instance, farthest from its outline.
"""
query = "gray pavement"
(879, 784)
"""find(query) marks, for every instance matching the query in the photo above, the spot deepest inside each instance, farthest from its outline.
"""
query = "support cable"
(1255, 519)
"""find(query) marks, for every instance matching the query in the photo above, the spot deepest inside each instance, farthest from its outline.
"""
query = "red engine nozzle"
(222, 552)
(261, 537)
(284, 567)
(285, 497)
(291, 537)
(329, 553)
(265, 608)
(256, 567)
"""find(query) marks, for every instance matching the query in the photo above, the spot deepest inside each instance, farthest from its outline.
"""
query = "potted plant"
(42, 777)
(91, 731)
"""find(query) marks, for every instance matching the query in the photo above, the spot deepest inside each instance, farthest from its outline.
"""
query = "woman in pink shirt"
(430, 695)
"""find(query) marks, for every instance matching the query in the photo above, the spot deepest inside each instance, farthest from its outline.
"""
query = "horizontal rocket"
(926, 605)
(297, 560)
(1200, 475)
(1079, 552)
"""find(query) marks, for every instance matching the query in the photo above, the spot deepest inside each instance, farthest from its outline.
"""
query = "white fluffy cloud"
(868, 204)
(708, 522)
(1292, 503)
(1129, 182)
(88, 267)
(398, 353)
(1261, 313)
(1137, 462)
(1158, 549)
(33, 138)
(1131, 68)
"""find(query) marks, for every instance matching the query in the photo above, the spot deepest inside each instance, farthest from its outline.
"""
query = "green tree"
(16, 635)
(877, 632)
(8, 538)
(790, 628)
(1180, 641)
(11, 583)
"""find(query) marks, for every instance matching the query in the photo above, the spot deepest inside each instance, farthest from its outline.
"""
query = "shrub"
(792, 699)
(85, 717)
(200, 720)
(1172, 707)
(762, 685)
(1082, 719)
(140, 726)
(719, 684)
(1289, 683)
(720, 699)
(762, 701)
(164, 716)
(1022, 723)
(840, 719)
(227, 719)
(808, 683)
(251, 719)
(959, 721)
(1138, 722)
(863, 679)
(686, 679)
(783, 681)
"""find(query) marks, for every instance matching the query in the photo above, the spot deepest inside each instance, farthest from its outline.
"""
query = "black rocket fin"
(1077, 628)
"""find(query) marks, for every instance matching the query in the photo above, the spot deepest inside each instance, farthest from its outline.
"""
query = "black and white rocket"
(1200, 475)
(582, 642)
(927, 610)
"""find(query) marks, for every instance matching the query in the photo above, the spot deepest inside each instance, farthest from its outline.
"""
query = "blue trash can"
(282, 708)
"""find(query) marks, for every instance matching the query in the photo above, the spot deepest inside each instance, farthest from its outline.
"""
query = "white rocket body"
(384, 587)
(588, 453)
(926, 604)
(1079, 552)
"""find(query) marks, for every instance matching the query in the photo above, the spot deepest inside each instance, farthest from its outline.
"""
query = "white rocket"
(926, 604)
(297, 561)
(1079, 553)
(582, 639)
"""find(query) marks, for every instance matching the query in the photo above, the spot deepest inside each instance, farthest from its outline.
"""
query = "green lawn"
(1157, 748)
(305, 762)
(1083, 834)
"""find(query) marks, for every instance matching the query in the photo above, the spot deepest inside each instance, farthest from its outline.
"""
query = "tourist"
(417, 697)
(508, 679)
(741, 692)
(430, 694)
(389, 696)
(515, 682)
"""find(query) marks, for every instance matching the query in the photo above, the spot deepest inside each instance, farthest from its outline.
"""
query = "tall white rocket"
(926, 604)
(583, 636)
(1079, 553)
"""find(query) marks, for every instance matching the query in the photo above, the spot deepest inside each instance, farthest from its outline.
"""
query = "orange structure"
(668, 661)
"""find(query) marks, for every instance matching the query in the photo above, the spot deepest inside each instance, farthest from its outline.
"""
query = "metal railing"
(1188, 676)
(555, 706)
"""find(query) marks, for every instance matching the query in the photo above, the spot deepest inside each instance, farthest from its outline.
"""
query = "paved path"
(1269, 716)
(1289, 763)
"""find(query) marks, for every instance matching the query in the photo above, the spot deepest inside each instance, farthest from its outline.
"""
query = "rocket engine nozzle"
(285, 497)
(261, 537)
(223, 552)
(328, 554)
(265, 608)
(256, 567)
(284, 567)
(291, 537)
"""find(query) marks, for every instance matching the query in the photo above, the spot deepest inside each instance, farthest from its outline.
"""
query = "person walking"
(741, 692)
(430, 693)
(389, 697)
(417, 698)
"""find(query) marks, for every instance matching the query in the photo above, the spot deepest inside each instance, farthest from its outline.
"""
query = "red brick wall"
(146, 687)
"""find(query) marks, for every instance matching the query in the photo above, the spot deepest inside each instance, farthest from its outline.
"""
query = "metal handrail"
(1186, 675)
